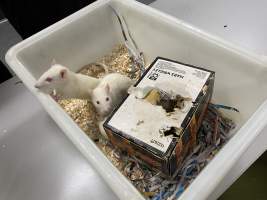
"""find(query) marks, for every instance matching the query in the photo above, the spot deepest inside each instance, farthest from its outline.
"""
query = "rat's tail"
(104, 66)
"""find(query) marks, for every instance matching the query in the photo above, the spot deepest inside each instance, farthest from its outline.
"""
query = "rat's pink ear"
(53, 62)
(63, 73)
(107, 88)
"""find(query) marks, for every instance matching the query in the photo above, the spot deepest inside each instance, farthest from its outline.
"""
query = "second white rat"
(110, 92)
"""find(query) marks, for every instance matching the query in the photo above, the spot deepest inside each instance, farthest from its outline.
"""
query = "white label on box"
(142, 120)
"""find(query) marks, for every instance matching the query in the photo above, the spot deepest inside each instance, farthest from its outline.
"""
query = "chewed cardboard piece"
(172, 105)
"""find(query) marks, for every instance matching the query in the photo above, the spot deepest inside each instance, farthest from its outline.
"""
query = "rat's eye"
(97, 102)
(48, 79)
(107, 99)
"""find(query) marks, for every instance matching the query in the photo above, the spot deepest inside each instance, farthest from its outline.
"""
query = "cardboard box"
(159, 120)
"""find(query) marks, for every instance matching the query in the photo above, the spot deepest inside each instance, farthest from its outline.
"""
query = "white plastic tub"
(92, 32)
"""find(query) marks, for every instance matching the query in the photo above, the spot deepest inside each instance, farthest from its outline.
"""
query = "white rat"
(66, 83)
(110, 92)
